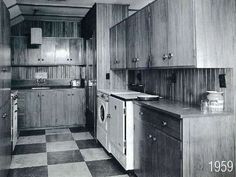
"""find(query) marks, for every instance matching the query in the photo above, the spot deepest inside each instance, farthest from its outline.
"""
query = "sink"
(40, 88)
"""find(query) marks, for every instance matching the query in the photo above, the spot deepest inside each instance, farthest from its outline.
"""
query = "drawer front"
(164, 122)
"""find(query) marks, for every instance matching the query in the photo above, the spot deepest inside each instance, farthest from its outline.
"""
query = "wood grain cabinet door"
(142, 42)
(158, 33)
(19, 53)
(121, 45)
(67, 98)
(34, 55)
(181, 33)
(48, 111)
(168, 156)
(59, 108)
(48, 51)
(32, 117)
(77, 107)
(76, 50)
(113, 47)
(131, 44)
(145, 149)
(62, 51)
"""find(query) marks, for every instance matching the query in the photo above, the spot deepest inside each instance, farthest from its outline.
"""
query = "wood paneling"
(190, 84)
(54, 72)
(119, 79)
(49, 28)
(107, 15)
(207, 139)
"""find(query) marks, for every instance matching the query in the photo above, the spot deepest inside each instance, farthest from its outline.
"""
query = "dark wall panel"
(50, 28)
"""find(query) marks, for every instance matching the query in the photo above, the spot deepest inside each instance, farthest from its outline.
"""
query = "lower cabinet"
(51, 108)
(5, 138)
(156, 153)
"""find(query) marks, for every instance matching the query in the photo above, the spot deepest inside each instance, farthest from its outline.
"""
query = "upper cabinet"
(53, 51)
(182, 33)
(118, 46)
(138, 43)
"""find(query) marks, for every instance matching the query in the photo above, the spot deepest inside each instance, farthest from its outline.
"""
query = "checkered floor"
(62, 153)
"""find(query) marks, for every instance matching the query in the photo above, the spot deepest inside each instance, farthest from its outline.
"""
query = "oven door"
(117, 124)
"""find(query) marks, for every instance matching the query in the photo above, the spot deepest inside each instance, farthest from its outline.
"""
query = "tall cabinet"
(5, 89)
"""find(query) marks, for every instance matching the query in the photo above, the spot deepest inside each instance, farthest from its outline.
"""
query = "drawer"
(164, 122)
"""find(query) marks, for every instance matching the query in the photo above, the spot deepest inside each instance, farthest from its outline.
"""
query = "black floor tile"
(32, 132)
(103, 168)
(64, 157)
(29, 172)
(59, 137)
(78, 129)
(30, 148)
(85, 144)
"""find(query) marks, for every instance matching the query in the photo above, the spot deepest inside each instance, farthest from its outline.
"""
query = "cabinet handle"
(137, 60)
(4, 69)
(4, 116)
(150, 136)
(39, 59)
(16, 110)
(141, 113)
(108, 116)
(72, 94)
(68, 59)
(134, 60)
(71, 59)
(154, 139)
(170, 55)
(164, 57)
(164, 123)
(42, 95)
(42, 59)
(68, 94)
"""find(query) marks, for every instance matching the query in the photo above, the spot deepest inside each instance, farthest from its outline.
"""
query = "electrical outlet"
(107, 76)
(222, 81)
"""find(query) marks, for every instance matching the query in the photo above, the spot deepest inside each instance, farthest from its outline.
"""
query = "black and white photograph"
(117, 88)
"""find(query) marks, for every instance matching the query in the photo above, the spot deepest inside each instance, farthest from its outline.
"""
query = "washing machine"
(103, 130)
(102, 123)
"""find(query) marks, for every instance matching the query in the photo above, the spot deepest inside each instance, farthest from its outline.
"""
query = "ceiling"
(61, 9)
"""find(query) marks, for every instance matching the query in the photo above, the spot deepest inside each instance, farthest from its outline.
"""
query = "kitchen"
(117, 89)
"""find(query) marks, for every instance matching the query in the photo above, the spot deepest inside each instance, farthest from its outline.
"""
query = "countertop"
(178, 109)
(51, 87)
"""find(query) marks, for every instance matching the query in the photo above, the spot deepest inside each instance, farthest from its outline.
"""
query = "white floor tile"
(79, 169)
(61, 146)
(93, 154)
(31, 139)
(57, 131)
(82, 136)
(29, 160)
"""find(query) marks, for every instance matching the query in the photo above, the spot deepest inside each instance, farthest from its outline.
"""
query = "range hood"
(36, 36)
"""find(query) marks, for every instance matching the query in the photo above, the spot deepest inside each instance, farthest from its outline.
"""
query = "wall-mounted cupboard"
(53, 51)
(180, 33)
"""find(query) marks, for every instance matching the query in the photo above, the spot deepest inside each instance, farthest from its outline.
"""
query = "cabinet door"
(181, 33)
(121, 45)
(144, 149)
(77, 107)
(48, 108)
(167, 160)
(32, 117)
(142, 42)
(34, 55)
(48, 51)
(113, 47)
(59, 108)
(89, 52)
(158, 33)
(62, 51)
(67, 106)
(117, 122)
(19, 51)
(76, 51)
(131, 35)
(5, 135)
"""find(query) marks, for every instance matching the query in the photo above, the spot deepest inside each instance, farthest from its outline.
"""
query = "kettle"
(75, 83)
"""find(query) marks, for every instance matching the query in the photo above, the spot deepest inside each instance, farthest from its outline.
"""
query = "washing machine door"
(102, 111)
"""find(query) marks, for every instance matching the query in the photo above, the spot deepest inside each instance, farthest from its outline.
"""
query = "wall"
(49, 28)
(190, 84)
